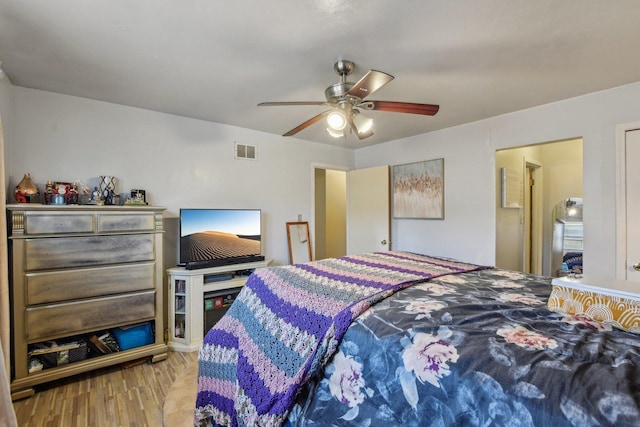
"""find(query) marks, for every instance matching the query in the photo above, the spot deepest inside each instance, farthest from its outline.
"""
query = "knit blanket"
(286, 324)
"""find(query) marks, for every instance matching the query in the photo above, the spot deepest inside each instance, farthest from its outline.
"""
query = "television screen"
(210, 237)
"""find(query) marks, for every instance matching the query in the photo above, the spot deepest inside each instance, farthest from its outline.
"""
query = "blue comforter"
(475, 349)
(287, 322)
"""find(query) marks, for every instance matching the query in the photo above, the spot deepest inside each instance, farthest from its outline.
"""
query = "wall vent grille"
(244, 151)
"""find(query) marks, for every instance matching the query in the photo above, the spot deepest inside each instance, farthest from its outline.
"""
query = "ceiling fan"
(347, 99)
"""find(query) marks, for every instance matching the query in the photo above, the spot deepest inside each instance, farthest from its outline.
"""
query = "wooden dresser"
(81, 270)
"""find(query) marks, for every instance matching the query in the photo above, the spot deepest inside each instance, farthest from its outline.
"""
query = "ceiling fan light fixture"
(363, 123)
(335, 133)
(336, 120)
(347, 98)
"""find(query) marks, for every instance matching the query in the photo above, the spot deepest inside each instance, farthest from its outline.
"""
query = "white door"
(368, 219)
(632, 172)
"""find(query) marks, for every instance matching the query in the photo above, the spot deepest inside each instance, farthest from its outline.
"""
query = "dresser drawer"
(65, 252)
(58, 223)
(122, 222)
(66, 285)
(48, 322)
(64, 222)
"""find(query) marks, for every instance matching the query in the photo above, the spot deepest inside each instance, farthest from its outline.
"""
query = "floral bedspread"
(287, 322)
(475, 349)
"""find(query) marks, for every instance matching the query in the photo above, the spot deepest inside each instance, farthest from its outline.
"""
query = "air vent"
(244, 151)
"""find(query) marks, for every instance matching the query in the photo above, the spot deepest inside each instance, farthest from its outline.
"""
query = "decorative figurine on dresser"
(27, 191)
(86, 289)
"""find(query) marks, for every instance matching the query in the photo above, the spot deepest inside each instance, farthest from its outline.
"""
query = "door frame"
(534, 238)
(621, 198)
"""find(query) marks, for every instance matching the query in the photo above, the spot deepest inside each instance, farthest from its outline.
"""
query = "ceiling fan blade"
(369, 83)
(271, 104)
(354, 128)
(401, 107)
(308, 123)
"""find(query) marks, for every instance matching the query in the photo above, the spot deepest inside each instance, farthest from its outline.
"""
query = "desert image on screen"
(207, 245)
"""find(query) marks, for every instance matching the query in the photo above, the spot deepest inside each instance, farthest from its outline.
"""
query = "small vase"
(26, 191)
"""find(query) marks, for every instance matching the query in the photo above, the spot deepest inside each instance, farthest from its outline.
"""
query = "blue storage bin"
(134, 336)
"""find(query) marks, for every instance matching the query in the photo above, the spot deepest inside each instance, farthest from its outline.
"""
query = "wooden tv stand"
(186, 298)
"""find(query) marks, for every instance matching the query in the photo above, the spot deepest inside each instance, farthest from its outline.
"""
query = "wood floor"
(114, 396)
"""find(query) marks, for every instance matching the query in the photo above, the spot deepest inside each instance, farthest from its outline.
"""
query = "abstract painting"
(418, 190)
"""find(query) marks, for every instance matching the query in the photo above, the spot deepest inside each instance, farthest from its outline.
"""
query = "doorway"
(545, 174)
(351, 211)
(330, 213)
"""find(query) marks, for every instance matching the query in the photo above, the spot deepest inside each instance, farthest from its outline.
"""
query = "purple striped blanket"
(285, 325)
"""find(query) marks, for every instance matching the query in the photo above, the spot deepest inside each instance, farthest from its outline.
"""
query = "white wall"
(185, 162)
(6, 115)
(465, 233)
(180, 162)
(468, 230)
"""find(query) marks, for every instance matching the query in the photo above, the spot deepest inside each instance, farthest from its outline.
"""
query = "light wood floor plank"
(110, 397)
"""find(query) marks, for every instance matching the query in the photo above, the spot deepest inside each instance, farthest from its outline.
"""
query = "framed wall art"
(418, 190)
(511, 188)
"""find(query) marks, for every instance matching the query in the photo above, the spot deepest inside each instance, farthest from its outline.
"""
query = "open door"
(368, 210)
(632, 180)
(628, 202)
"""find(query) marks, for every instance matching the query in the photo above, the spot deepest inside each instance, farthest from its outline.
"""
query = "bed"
(398, 338)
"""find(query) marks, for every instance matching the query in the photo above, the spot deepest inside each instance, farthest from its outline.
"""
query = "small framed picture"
(139, 196)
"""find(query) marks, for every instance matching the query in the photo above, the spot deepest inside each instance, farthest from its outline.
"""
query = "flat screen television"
(215, 237)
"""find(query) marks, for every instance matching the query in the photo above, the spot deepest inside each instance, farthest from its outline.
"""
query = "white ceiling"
(216, 60)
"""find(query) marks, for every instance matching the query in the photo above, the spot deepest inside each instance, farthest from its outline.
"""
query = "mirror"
(299, 242)
(567, 238)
